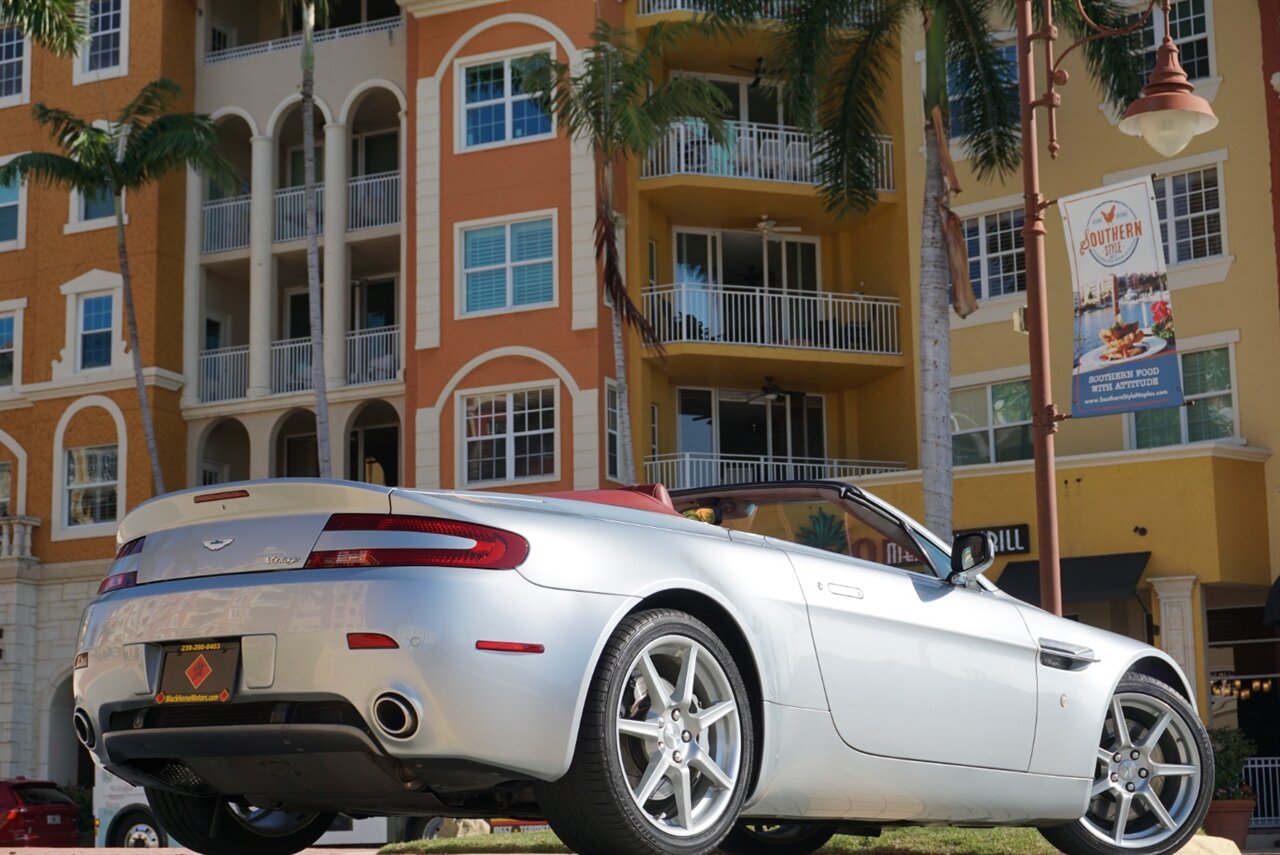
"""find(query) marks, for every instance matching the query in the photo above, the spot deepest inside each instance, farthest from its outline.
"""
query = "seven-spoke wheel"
(1153, 776)
(664, 751)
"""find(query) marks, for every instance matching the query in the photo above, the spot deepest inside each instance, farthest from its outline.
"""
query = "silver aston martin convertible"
(753, 668)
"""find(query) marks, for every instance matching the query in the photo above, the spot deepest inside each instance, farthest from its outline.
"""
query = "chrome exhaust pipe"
(83, 728)
(395, 716)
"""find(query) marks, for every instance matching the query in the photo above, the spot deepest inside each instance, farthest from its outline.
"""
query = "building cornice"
(426, 8)
(76, 387)
(267, 403)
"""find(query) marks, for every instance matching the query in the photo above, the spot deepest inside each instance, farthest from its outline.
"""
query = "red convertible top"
(641, 497)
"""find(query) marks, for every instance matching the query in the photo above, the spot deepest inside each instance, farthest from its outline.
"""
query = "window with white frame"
(13, 66)
(508, 265)
(956, 95)
(1189, 28)
(1190, 209)
(105, 48)
(997, 262)
(510, 435)
(991, 424)
(1209, 412)
(612, 466)
(6, 489)
(496, 110)
(91, 485)
(8, 337)
(97, 316)
(99, 205)
(11, 216)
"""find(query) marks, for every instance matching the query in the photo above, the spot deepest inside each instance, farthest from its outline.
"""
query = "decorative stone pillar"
(336, 276)
(262, 284)
(192, 292)
(1178, 619)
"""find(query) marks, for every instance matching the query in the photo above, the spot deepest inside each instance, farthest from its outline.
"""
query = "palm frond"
(63, 126)
(50, 170)
(848, 115)
(606, 236)
(171, 142)
(151, 101)
(727, 19)
(988, 112)
(1115, 63)
(55, 25)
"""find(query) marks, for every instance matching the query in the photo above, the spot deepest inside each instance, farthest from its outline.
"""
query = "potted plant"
(1233, 801)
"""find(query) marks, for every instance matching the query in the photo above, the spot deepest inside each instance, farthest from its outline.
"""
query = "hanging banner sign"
(1125, 358)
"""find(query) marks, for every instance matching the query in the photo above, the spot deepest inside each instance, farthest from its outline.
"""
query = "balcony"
(291, 213)
(15, 536)
(705, 469)
(226, 224)
(373, 355)
(751, 150)
(224, 374)
(728, 314)
(293, 43)
(373, 201)
(291, 365)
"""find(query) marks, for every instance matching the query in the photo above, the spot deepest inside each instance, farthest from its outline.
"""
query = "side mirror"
(971, 555)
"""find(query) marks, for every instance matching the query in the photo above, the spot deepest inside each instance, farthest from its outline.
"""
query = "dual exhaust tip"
(83, 728)
(395, 715)
(392, 712)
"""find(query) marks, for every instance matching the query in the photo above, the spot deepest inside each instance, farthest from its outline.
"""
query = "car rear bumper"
(301, 692)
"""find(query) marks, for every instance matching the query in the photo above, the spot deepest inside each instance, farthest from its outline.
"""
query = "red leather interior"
(641, 497)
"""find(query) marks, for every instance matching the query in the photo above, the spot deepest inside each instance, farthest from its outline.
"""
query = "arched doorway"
(373, 445)
(225, 455)
(295, 446)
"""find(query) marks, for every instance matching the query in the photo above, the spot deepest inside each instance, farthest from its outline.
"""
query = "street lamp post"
(1167, 115)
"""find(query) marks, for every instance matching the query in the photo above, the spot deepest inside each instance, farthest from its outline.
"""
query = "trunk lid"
(241, 528)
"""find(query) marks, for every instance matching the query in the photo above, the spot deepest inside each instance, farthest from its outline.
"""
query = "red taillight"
(9, 817)
(133, 547)
(116, 581)
(488, 548)
(222, 496)
(370, 641)
(510, 646)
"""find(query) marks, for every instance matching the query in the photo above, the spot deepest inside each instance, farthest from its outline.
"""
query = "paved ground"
(9, 850)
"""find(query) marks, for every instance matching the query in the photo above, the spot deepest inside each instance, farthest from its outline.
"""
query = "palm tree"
(609, 102)
(836, 56)
(141, 145)
(55, 25)
(310, 9)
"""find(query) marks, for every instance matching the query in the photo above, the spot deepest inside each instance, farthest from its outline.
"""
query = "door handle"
(1066, 656)
(845, 590)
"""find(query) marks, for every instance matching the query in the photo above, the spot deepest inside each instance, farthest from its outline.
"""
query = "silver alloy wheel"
(679, 735)
(270, 822)
(1148, 774)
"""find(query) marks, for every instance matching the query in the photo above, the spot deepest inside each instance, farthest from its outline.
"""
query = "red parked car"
(36, 813)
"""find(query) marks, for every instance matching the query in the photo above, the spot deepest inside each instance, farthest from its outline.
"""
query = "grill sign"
(201, 672)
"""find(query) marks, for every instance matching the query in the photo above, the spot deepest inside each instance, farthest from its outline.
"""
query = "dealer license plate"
(199, 672)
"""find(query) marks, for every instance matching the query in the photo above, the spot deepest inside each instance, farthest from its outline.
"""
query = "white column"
(336, 277)
(1177, 621)
(192, 291)
(262, 284)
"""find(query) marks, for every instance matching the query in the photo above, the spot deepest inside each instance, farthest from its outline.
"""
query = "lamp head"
(1169, 113)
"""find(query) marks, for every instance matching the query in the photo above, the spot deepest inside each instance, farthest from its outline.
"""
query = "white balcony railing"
(373, 200)
(295, 42)
(373, 355)
(704, 469)
(1263, 774)
(15, 536)
(224, 373)
(291, 213)
(773, 9)
(728, 314)
(226, 224)
(751, 150)
(291, 365)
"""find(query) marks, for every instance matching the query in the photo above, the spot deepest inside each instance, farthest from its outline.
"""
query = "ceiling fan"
(758, 72)
(770, 392)
(769, 228)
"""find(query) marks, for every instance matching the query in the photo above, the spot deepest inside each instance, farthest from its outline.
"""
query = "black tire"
(422, 828)
(136, 829)
(214, 826)
(594, 808)
(1180, 745)
(750, 837)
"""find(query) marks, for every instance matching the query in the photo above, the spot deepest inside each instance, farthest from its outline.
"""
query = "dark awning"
(1272, 615)
(1087, 579)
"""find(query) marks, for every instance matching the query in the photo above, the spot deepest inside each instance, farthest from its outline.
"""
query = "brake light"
(445, 543)
(116, 581)
(222, 496)
(8, 817)
(510, 646)
(133, 547)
